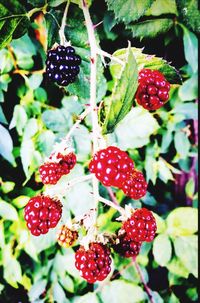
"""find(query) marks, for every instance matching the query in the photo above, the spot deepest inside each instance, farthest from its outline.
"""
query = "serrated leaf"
(182, 221)
(13, 22)
(186, 249)
(150, 28)
(160, 7)
(120, 291)
(162, 249)
(6, 145)
(7, 211)
(189, 14)
(137, 132)
(146, 61)
(120, 102)
(128, 11)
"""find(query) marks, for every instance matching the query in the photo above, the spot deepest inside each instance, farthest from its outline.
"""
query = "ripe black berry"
(62, 65)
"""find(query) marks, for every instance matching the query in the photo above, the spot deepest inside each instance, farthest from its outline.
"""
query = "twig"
(62, 28)
(147, 289)
(79, 120)
(111, 57)
(112, 195)
(113, 205)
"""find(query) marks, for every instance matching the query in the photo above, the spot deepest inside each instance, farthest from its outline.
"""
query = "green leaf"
(30, 128)
(127, 11)
(189, 90)
(82, 142)
(59, 294)
(146, 61)
(55, 120)
(24, 51)
(20, 201)
(13, 22)
(186, 249)
(26, 153)
(190, 188)
(120, 102)
(7, 187)
(162, 249)
(178, 268)
(182, 144)
(182, 221)
(189, 109)
(191, 48)
(19, 119)
(88, 298)
(150, 28)
(161, 225)
(120, 291)
(160, 7)
(7, 211)
(36, 290)
(45, 142)
(2, 117)
(12, 272)
(137, 132)
(189, 14)
(164, 172)
(6, 63)
(6, 145)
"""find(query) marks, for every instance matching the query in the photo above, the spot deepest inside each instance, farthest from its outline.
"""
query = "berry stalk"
(62, 28)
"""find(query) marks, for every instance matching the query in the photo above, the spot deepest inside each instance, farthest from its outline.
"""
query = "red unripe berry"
(111, 166)
(94, 263)
(51, 172)
(135, 186)
(141, 226)
(42, 213)
(153, 89)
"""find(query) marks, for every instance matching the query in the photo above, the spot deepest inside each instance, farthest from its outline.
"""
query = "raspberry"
(94, 263)
(153, 89)
(126, 247)
(111, 166)
(67, 237)
(62, 65)
(42, 213)
(51, 171)
(141, 226)
(135, 185)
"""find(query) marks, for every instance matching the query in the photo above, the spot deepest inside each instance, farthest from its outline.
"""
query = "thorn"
(92, 60)
(96, 25)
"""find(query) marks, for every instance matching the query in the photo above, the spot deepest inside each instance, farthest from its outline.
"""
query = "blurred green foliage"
(35, 114)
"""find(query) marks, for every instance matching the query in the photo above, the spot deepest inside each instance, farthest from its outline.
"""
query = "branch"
(75, 125)
(93, 87)
(113, 205)
(111, 57)
(147, 289)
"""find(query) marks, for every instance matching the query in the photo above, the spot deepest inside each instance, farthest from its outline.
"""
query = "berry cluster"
(57, 166)
(153, 89)
(140, 227)
(42, 213)
(94, 263)
(66, 237)
(62, 65)
(113, 167)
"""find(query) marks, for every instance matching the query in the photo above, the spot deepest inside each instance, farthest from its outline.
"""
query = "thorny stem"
(62, 28)
(147, 289)
(75, 125)
(93, 87)
(111, 57)
(113, 205)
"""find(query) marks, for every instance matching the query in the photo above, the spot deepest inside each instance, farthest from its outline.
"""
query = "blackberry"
(62, 65)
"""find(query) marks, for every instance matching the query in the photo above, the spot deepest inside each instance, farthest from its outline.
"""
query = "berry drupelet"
(111, 166)
(57, 166)
(153, 89)
(62, 65)
(42, 213)
(94, 263)
(141, 226)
